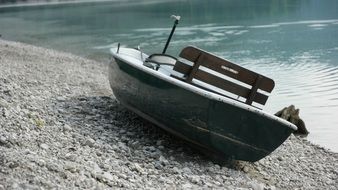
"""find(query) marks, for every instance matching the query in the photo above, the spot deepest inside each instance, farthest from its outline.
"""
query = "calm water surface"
(294, 42)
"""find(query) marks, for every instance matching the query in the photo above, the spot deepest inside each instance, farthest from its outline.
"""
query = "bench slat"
(182, 68)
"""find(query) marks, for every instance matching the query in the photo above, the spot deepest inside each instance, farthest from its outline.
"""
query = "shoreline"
(61, 127)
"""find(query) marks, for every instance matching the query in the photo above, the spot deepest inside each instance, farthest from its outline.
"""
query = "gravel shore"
(61, 128)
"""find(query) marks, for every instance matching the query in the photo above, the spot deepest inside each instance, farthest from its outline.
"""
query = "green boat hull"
(222, 128)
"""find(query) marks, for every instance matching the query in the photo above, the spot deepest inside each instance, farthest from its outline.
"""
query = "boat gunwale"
(194, 89)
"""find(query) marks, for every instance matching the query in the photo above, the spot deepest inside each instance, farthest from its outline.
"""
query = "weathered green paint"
(222, 128)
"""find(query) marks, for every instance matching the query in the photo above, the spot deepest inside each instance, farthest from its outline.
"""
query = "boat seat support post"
(254, 89)
(192, 73)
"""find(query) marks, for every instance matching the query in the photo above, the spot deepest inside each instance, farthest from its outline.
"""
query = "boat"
(204, 99)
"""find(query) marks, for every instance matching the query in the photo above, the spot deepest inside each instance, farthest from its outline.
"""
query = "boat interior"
(210, 72)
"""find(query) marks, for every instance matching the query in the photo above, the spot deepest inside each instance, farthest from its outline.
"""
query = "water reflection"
(295, 42)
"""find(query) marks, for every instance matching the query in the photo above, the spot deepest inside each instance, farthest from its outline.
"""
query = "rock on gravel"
(61, 128)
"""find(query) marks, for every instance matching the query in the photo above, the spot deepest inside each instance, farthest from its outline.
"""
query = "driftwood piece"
(291, 114)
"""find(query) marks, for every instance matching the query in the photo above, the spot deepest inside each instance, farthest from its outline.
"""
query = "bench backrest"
(226, 69)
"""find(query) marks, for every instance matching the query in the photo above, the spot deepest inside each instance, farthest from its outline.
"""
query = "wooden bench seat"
(225, 75)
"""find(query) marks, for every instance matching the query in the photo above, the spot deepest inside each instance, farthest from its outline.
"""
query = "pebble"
(194, 179)
(123, 176)
(107, 176)
(159, 142)
(138, 168)
(3, 140)
(186, 170)
(257, 186)
(246, 169)
(44, 146)
(176, 170)
(6, 113)
(89, 142)
(70, 167)
(13, 165)
(187, 186)
(158, 165)
(54, 167)
(66, 128)
(150, 149)
(40, 162)
(15, 185)
(163, 161)
(60, 99)
(70, 156)
(3, 103)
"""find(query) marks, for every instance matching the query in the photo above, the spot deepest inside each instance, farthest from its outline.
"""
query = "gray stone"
(150, 148)
(159, 142)
(3, 103)
(107, 176)
(6, 113)
(187, 186)
(54, 167)
(163, 161)
(122, 146)
(176, 170)
(96, 168)
(66, 128)
(44, 146)
(122, 131)
(186, 170)
(70, 156)
(246, 169)
(123, 176)
(60, 99)
(135, 145)
(158, 165)
(3, 140)
(257, 186)
(13, 165)
(40, 162)
(15, 185)
(194, 179)
(70, 167)
(154, 155)
(89, 142)
(138, 168)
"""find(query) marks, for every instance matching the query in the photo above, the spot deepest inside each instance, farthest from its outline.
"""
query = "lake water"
(295, 42)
